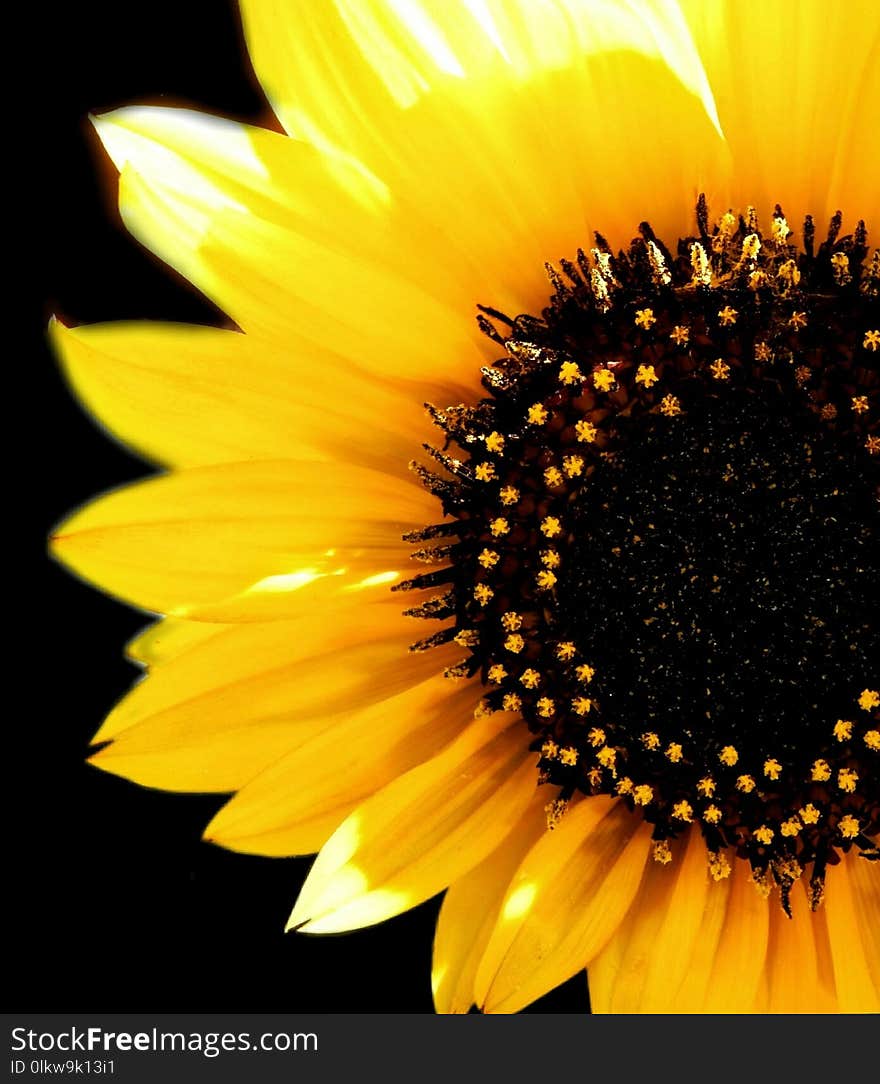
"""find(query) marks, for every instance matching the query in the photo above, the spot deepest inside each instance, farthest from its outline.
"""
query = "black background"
(117, 904)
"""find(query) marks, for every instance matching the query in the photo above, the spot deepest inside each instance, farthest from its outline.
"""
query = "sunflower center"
(744, 550)
(661, 543)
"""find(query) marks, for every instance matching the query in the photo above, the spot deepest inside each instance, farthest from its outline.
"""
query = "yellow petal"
(470, 910)
(422, 831)
(565, 902)
(852, 909)
(798, 978)
(262, 225)
(293, 806)
(738, 967)
(247, 541)
(798, 129)
(187, 396)
(168, 638)
(651, 953)
(212, 718)
(433, 100)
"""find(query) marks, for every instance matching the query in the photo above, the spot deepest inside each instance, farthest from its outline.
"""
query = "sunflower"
(590, 642)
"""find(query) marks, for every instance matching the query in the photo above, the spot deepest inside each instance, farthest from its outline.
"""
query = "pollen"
(798, 320)
(511, 621)
(585, 673)
(763, 352)
(679, 335)
(537, 414)
(624, 786)
(530, 678)
(550, 749)
(674, 752)
(553, 477)
(495, 442)
(569, 755)
(512, 702)
(871, 738)
(485, 472)
(683, 811)
(550, 558)
(499, 526)
(646, 376)
(847, 780)
(488, 558)
(670, 405)
(546, 707)
(790, 828)
(569, 373)
(849, 827)
(809, 814)
(706, 786)
(467, 638)
(551, 526)
(727, 316)
(596, 737)
(662, 852)
(772, 768)
(869, 699)
(745, 783)
(566, 650)
(843, 729)
(764, 835)
(643, 794)
(482, 593)
(728, 756)
(860, 403)
(514, 643)
(586, 432)
(751, 246)
(719, 866)
(645, 318)
(496, 673)
(509, 495)
(573, 465)
(546, 579)
(607, 757)
(604, 379)
(719, 369)
(650, 740)
(821, 771)
(873, 445)
(871, 340)
(712, 814)
(780, 229)
(581, 705)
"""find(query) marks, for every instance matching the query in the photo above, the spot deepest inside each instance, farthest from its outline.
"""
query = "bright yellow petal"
(738, 967)
(527, 124)
(798, 91)
(650, 955)
(262, 225)
(293, 806)
(213, 717)
(247, 541)
(186, 396)
(168, 638)
(852, 909)
(470, 910)
(798, 978)
(565, 902)
(422, 831)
